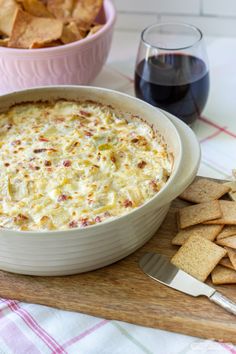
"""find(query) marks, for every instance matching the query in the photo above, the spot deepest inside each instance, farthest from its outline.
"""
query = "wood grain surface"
(123, 292)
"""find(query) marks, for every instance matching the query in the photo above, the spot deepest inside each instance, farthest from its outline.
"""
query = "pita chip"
(36, 8)
(86, 11)
(8, 10)
(30, 31)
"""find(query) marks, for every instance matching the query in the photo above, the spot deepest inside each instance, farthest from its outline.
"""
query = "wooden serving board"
(123, 292)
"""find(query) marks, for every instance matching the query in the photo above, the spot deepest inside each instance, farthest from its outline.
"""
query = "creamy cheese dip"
(72, 164)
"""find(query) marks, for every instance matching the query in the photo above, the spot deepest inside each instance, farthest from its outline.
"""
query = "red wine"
(177, 83)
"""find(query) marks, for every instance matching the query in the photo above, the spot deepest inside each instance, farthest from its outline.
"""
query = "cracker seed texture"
(198, 257)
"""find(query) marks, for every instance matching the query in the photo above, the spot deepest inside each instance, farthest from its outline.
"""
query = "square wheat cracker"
(228, 242)
(226, 263)
(204, 190)
(228, 230)
(232, 256)
(207, 231)
(223, 275)
(199, 213)
(229, 213)
(198, 257)
(232, 192)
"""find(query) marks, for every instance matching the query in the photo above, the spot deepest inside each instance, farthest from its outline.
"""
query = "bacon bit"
(73, 223)
(98, 219)
(6, 164)
(44, 149)
(34, 167)
(84, 113)
(113, 159)
(37, 151)
(135, 140)
(67, 163)
(127, 203)
(142, 164)
(16, 142)
(47, 163)
(62, 197)
(154, 186)
(84, 222)
(88, 133)
(41, 138)
(49, 169)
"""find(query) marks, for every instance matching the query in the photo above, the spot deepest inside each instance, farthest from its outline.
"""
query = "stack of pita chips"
(29, 24)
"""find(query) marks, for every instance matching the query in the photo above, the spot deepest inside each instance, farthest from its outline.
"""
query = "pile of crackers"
(30, 24)
(207, 232)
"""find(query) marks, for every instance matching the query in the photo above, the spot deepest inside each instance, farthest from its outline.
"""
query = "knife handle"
(224, 302)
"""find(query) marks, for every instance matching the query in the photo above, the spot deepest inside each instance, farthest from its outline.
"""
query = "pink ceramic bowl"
(75, 63)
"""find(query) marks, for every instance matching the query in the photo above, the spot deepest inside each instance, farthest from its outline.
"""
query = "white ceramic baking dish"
(80, 250)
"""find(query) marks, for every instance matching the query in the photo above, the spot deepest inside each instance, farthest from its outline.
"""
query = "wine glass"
(172, 69)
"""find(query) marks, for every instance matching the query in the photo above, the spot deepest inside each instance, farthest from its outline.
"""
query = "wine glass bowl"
(172, 69)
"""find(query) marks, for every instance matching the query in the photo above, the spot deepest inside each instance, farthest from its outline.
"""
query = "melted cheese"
(70, 164)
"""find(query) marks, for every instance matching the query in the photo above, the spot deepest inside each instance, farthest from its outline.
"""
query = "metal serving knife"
(159, 268)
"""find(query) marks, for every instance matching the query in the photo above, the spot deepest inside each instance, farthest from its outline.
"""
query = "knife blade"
(159, 268)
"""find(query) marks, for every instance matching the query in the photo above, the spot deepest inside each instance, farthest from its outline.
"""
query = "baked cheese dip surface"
(69, 164)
